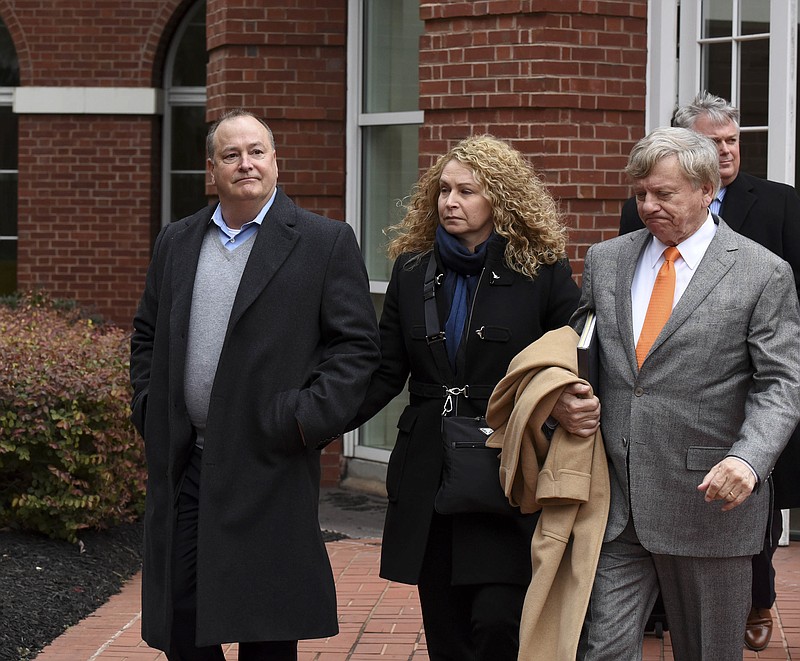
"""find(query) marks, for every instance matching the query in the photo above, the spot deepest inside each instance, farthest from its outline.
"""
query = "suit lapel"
(737, 202)
(186, 244)
(718, 260)
(628, 257)
(274, 242)
(184, 255)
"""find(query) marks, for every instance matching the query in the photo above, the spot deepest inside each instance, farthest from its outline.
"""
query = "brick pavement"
(379, 620)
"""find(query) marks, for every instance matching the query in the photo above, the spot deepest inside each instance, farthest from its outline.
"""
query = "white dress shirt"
(691, 250)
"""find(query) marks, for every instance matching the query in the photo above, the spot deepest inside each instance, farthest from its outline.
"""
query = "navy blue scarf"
(462, 272)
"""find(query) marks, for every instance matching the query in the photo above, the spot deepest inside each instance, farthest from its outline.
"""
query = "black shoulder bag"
(470, 472)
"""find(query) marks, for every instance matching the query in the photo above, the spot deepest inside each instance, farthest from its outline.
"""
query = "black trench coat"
(510, 311)
(300, 347)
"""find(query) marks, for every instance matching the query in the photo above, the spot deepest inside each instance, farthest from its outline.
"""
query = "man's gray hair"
(696, 154)
(233, 114)
(717, 109)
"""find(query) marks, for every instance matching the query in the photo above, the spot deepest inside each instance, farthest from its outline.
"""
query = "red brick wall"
(88, 184)
(85, 209)
(287, 62)
(89, 42)
(562, 80)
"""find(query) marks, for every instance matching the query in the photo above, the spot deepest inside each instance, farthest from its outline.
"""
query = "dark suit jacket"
(510, 311)
(721, 379)
(299, 350)
(768, 213)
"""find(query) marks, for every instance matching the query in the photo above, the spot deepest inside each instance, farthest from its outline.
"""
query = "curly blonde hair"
(523, 211)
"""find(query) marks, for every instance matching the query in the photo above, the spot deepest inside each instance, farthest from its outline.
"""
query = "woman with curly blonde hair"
(481, 226)
(523, 211)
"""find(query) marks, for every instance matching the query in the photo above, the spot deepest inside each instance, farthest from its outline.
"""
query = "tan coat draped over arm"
(567, 478)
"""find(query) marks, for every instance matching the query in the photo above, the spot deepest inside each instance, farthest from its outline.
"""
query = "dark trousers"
(763, 572)
(465, 622)
(184, 593)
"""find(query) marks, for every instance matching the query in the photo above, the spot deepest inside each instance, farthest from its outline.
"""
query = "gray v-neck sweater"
(219, 272)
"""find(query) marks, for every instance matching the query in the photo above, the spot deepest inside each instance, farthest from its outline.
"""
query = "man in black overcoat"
(253, 345)
(769, 213)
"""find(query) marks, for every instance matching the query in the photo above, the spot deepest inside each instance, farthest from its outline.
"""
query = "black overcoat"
(510, 311)
(299, 350)
(767, 212)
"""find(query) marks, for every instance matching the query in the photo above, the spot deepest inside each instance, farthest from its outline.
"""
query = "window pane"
(191, 57)
(8, 204)
(717, 69)
(8, 139)
(753, 149)
(8, 267)
(390, 163)
(390, 170)
(189, 131)
(717, 18)
(755, 17)
(9, 65)
(186, 123)
(391, 55)
(754, 92)
(381, 430)
(188, 195)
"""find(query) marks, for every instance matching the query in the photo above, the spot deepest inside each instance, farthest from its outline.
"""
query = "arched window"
(9, 79)
(185, 126)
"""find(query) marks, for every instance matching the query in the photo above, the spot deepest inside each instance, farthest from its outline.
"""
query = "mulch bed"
(46, 585)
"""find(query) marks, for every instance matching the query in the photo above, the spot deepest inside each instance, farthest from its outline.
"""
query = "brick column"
(286, 61)
(562, 80)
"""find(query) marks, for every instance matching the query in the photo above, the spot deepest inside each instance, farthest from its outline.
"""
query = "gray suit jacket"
(722, 378)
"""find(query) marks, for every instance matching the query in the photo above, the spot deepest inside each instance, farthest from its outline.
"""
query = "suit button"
(624, 442)
(638, 392)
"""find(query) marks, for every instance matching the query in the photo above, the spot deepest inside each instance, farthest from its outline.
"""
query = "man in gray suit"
(253, 346)
(769, 213)
(694, 423)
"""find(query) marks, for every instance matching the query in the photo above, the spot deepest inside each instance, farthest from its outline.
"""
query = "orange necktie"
(660, 306)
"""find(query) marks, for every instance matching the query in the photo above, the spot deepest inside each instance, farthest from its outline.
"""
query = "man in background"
(253, 346)
(768, 213)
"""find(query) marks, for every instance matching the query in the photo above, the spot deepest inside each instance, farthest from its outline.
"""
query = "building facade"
(104, 106)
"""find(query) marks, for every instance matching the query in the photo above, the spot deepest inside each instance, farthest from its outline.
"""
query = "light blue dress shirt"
(231, 238)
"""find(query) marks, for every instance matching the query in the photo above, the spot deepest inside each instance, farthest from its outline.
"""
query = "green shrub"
(69, 456)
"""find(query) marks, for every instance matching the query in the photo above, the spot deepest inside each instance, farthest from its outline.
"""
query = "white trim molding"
(662, 63)
(88, 100)
(782, 85)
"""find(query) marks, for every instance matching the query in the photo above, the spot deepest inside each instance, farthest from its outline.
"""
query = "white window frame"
(355, 123)
(671, 82)
(783, 77)
(175, 96)
(7, 100)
